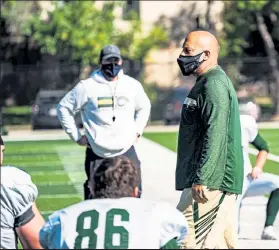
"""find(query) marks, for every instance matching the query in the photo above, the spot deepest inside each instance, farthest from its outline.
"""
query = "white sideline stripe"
(52, 183)
(50, 196)
(55, 172)
(33, 137)
(270, 156)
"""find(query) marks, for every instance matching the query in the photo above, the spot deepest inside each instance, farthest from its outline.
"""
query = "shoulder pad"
(20, 191)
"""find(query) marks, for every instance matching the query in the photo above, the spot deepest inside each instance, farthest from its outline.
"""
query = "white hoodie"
(94, 97)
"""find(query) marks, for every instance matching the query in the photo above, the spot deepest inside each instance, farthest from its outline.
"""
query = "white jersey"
(125, 223)
(249, 132)
(17, 195)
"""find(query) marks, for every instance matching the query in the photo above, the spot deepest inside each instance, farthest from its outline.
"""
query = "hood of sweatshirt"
(98, 76)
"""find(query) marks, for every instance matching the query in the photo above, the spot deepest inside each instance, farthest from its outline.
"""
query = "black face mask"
(188, 64)
(110, 70)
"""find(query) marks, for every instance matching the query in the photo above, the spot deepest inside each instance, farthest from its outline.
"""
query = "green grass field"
(169, 140)
(57, 167)
(45, 162)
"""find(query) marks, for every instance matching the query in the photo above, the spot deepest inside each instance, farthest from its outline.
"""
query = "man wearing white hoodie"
(114, 109)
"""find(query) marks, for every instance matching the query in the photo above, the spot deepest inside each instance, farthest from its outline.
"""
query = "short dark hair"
(116, 177)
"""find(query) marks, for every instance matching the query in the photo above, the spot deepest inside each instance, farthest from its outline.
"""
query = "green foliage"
(75, 30)
(236, 25)
(17, 13)
(17, 110)
(239, 21)
(251, 5)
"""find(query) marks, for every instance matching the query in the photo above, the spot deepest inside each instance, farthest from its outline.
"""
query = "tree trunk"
(209, 23)
(271, 52)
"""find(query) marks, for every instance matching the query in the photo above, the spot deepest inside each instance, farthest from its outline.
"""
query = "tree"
(258, 9)
(75, 30)
(241, 19)
(17, 13)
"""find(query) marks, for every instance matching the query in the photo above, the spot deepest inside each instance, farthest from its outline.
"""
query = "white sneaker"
(269, 234)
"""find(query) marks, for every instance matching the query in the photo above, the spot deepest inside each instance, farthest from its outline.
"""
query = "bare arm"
(261, 145)
(29, 232)
(261, 159)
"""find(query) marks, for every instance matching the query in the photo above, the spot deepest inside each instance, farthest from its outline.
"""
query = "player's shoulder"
(248, 120)
(18, 189)
(11, 176)
(215, 89)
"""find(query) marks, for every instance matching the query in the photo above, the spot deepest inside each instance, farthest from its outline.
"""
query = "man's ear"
(206, 55)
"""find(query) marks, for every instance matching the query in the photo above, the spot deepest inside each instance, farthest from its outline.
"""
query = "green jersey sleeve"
(172, 244)
(215, 108)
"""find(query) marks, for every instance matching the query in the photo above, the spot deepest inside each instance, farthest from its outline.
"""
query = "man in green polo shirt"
(209, 167)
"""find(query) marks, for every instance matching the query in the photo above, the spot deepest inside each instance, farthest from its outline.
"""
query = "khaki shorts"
(211, 225)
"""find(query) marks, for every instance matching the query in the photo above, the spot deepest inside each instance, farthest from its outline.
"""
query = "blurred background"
(48, 46)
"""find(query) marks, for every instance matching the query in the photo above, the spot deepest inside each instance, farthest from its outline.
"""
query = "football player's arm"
(174, 226)
(172, 244)
(28, 226)
(260, 144)
(28, 220)
(50, 233)
(215, 109)
(71, 103)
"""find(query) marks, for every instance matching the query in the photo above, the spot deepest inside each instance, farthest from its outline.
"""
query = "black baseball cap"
(110, 51)
(1, 140)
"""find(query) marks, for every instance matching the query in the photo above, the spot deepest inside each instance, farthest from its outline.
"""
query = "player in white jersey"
(19, 214)
(115, 218)
(257, 183)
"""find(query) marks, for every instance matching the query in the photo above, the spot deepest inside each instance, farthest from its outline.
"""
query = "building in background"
(178, 17)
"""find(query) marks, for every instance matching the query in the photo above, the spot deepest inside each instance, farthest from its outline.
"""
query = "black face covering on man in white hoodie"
(110, 71)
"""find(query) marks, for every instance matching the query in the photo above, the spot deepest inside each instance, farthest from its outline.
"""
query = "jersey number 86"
(110, 230)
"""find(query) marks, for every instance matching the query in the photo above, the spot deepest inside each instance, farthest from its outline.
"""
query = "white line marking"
(36, 138)
(55, 172)
(52, 183)
(60, 196)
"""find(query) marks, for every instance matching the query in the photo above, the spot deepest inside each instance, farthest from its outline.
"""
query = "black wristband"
(23, 219)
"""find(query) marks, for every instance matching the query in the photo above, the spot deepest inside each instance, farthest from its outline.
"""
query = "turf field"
(169, 140)
(56, 167)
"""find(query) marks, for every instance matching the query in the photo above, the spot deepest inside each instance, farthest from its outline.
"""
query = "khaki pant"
(211, 225)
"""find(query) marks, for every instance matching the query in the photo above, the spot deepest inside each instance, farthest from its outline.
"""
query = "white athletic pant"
(258, 187)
